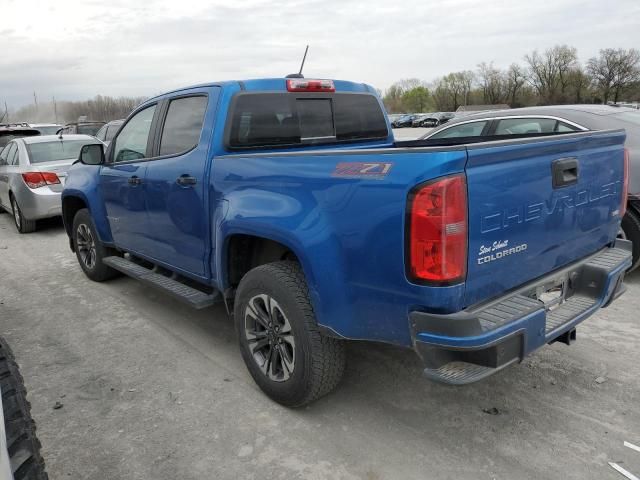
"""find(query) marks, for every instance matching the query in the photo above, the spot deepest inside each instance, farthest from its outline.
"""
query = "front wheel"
(89, 250)
(282, 347)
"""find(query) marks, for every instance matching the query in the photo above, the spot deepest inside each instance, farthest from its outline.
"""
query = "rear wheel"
(89, 250)
(22, 224)
(285, 352)
(22, 444)
(630, 230)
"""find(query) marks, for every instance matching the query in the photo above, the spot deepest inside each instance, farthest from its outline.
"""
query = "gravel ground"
(153, 390)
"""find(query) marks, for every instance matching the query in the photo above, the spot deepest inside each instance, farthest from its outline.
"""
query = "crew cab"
(289, 200)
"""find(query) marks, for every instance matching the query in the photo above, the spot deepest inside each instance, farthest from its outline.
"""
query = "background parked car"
(108, 131)
(10, 131)
(32, 176)
(84, 128)
(417, 121)
(46, 128)
(404, 121)
(562, 119)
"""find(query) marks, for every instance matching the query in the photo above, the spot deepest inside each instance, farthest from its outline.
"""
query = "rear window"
(7, 135)
(55, 151)
(286, 119)
(48, 130)
(88, 129)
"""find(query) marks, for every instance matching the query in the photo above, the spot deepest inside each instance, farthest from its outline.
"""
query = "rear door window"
(111, 132)
(286, 119)
(183, 125)
(102, 133)
(12, 158)
(471, 129)
(520, 126)
(7, 154)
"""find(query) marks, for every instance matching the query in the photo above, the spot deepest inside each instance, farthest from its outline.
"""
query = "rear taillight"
(437, 236)
(40, 179)
(625, 184)
(304, 85)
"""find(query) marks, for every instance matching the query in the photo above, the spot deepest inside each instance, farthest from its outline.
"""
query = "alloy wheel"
(270, 337)
(86, 246)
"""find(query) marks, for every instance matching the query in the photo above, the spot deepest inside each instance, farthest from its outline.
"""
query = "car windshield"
(48, 130)
(55, 150)
(631, 117)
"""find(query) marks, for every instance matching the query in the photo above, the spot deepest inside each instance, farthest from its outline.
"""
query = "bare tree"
(515, 80)
(579, 85)
(548, 72)
(492, 83)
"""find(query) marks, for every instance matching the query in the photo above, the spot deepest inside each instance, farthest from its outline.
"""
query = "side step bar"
(462, 373)
(189, 295)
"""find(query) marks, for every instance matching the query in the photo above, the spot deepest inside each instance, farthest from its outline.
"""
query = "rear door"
(176, 194)
(538, 204)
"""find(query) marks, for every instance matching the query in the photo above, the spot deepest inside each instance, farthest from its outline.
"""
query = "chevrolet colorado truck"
(289, 200)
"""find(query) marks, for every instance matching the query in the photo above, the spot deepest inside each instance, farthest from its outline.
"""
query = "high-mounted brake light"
(625, 184)
(437, 236)
(40, 179)
(304, 85)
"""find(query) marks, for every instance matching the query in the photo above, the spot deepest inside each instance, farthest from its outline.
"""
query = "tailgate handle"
(564, 172)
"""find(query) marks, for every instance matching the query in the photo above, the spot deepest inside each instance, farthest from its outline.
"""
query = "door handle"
(186, 180)
(564, 172)
(135, 180)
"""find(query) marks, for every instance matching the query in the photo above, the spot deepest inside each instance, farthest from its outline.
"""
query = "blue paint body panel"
(349, 232)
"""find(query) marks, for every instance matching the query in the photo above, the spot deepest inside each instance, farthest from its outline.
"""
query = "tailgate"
(522, 223)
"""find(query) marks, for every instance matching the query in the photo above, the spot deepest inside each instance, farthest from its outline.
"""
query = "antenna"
(299, 74)
(303, 59)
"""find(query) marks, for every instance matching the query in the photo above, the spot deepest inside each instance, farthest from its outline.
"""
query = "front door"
(122, 182)
(175, 183)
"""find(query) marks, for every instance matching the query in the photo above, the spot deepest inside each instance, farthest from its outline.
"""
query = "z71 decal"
(373, 170)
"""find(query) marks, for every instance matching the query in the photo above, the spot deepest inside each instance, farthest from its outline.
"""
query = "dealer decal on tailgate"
(373, 170)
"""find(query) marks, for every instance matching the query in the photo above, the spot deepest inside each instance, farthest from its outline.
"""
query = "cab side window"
(472, 129)
(520, 126)
(183, 125)
(131, 143)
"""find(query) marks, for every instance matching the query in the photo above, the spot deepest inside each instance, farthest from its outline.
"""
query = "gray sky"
(78, 49)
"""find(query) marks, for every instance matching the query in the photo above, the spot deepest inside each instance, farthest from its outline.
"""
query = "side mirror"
(92, 154)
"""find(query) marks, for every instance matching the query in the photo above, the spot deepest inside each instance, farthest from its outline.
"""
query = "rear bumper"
(38, 203)
(467, 346)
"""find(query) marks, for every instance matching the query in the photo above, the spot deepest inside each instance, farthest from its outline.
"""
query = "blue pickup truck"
(289, 201)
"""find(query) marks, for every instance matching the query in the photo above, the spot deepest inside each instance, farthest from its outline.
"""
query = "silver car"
(32, 175)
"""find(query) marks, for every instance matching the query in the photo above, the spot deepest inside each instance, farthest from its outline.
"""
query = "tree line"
(552, 77)
(102, 108)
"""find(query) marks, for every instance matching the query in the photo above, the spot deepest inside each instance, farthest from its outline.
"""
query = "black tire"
(22, 443)
(89, 250)
(22, 224)
(631, 228)
(318, 361)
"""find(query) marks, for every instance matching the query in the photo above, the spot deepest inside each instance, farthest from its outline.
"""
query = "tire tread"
(22, 443)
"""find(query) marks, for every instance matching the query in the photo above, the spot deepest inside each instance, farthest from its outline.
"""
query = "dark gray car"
(558, 120)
